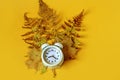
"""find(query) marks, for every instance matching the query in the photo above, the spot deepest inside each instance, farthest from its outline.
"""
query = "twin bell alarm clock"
(52, 55)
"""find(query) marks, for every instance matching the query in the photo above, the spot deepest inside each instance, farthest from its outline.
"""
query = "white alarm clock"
(52, 55)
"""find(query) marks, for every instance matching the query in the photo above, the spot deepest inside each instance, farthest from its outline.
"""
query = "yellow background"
(99, 60)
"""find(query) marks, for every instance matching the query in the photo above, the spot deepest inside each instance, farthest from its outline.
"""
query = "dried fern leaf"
(26, 27)
(28, 33)
(70, 38)
(33, 59)
(29, 38)
(44, 10)
(31, 47)
(78, 19)
(48, 14)
(32, 44)
(67, 24)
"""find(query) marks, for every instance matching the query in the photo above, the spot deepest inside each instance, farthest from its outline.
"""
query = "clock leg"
(54, 72)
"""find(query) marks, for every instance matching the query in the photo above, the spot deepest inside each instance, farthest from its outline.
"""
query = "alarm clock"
(52, 55)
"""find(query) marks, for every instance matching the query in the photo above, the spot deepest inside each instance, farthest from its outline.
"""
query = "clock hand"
(54, 57)
(51, 56)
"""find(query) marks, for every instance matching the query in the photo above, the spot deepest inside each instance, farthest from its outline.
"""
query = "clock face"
(52, 55)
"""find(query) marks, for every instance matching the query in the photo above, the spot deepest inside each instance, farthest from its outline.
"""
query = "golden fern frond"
(48, 14)
(70, 36)
(40, 31)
